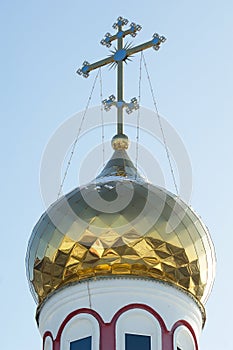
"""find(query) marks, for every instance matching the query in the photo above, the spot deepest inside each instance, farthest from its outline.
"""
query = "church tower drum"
(120, 263)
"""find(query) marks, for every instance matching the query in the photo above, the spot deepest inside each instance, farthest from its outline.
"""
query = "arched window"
(48, 344)
(137, 329)
(183, 339)
(80, 333)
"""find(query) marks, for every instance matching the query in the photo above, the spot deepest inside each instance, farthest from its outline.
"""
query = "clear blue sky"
(42, 45)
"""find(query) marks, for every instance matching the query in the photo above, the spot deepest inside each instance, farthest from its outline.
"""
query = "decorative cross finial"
(118, 57)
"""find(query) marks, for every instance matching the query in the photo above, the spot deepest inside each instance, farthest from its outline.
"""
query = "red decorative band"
(108, 330)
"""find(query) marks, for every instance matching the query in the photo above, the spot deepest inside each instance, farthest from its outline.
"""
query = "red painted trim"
(187, 325)
(73, 314)
(46, 335)
(108, 337)
(166, 335)
(108, 330)
(139, 306)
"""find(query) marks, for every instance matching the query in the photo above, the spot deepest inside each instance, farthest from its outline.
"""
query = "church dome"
(120, 225)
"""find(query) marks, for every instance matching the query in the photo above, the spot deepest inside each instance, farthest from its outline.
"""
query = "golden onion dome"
(120, 225)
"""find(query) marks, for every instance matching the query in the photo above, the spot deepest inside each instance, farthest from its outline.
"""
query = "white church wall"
(105, 297)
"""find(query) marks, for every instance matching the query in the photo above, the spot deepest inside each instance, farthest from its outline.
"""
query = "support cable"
(89, 295)
(102, 117)
(139, 112)
(77, 136)
(161, 127)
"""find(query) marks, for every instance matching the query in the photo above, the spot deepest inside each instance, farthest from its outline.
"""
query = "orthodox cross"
(119, 55)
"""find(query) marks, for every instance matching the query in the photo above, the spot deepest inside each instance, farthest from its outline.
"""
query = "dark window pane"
(81, 344)
(137, 342)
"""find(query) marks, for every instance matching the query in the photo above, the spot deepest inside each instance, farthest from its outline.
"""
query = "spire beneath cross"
(119, 55)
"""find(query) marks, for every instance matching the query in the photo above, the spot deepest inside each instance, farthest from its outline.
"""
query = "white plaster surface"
(107, 296)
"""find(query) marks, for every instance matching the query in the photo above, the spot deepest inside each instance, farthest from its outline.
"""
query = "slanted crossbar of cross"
(118, 57)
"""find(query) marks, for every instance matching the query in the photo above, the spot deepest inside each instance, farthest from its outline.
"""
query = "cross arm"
(155, 43)
(134, 28)
(88, 67)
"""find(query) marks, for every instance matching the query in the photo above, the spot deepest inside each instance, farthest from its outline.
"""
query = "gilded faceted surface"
(120, 225)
